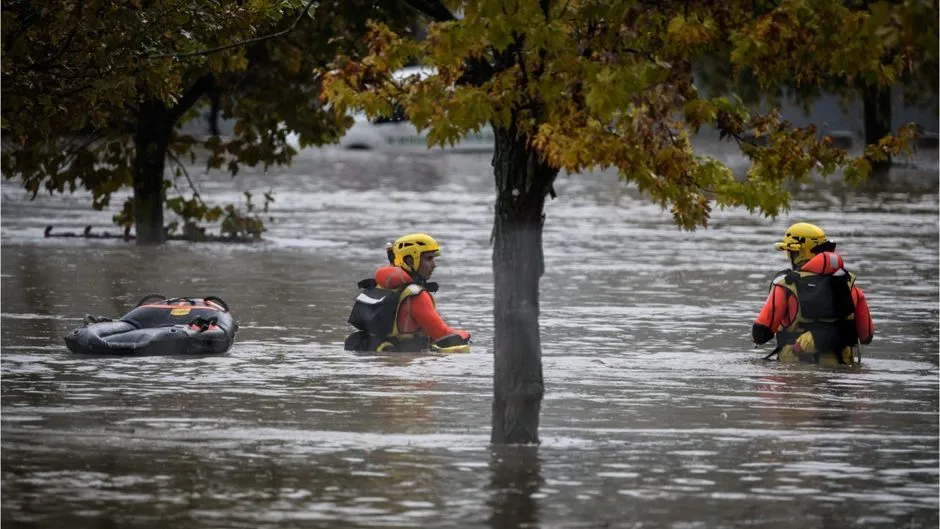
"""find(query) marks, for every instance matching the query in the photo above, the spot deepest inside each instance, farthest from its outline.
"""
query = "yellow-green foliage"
(609, 84)
(79, 77)
(104, 54)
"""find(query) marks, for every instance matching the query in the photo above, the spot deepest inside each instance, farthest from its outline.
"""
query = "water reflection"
(805, 400)
(514, 486)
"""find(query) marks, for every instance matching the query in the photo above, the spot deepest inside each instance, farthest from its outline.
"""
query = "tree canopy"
(894, 48)
(610, 84)
(91, 87)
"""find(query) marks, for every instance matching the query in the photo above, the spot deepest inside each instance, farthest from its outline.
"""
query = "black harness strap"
(773, 353)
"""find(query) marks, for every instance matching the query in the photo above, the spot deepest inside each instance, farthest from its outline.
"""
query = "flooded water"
(658, 410)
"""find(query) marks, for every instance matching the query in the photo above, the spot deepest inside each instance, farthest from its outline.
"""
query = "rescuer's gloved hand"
(452, 340)
(804, 344)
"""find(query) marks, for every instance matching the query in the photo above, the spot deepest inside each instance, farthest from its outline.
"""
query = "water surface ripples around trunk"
(658, 410)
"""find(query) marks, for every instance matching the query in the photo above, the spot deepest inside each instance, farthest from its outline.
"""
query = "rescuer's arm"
(427, 318)
(863, 324)
(772, 315)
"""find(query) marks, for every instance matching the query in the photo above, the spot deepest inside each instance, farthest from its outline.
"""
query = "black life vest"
(375, 315)
(825, 308)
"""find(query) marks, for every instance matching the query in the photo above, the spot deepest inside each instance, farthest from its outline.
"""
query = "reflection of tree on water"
(908, 178)
(402, 404)
(393, 359)
(801, 400)
(32, 287)
(516, 478)
(896, 190)
(413, 172)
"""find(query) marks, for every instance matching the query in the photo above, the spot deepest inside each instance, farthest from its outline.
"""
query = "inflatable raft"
(159, 326)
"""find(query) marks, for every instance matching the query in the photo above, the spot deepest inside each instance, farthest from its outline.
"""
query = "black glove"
(451, 340)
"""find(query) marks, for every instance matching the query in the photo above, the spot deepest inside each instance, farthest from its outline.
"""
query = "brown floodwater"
(659, 412)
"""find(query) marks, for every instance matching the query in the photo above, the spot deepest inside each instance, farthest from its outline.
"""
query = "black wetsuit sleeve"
(761, 333)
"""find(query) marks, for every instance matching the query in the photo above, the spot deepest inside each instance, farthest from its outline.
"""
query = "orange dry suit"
(396, 312)
(817, 313)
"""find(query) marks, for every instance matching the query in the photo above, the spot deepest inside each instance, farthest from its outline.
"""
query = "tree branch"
(182, 167)
(239, 43)
(433, 9)
(517, 48)
(192, 94)
(73, 152)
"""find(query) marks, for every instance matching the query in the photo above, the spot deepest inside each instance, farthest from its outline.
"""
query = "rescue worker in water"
(395, 310)
(816, 311)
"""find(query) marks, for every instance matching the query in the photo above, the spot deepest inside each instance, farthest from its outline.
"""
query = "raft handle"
(191, 301)
(218, 301)
(149, 297)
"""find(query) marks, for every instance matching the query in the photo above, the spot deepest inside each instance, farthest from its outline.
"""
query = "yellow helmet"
(413, 244)
(802, 238)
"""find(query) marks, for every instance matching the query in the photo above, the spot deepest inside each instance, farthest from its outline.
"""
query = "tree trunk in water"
(877, 103)
(522, 182)
(150, 140)
(516, 477)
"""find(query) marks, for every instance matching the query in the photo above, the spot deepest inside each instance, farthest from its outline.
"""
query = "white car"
(397, 134)
(401, 135)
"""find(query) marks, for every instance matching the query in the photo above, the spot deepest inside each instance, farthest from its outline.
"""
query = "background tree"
(93, 92)
(890, 28)
(576, 85)
(879, 46)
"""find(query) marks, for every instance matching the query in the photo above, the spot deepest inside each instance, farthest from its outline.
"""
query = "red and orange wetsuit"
(782, 307)
(416, 313)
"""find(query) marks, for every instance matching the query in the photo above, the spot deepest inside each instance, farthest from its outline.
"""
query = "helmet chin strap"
(418, 278)
(413, 273)
(793, 257)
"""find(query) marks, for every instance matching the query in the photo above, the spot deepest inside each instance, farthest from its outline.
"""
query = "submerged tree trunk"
(155, 122)
(877, 106)
(154, 126)
(516, 478)
(522, 182)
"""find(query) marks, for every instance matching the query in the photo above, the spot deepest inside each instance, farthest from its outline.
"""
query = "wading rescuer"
(816, 311)
(395, 311)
